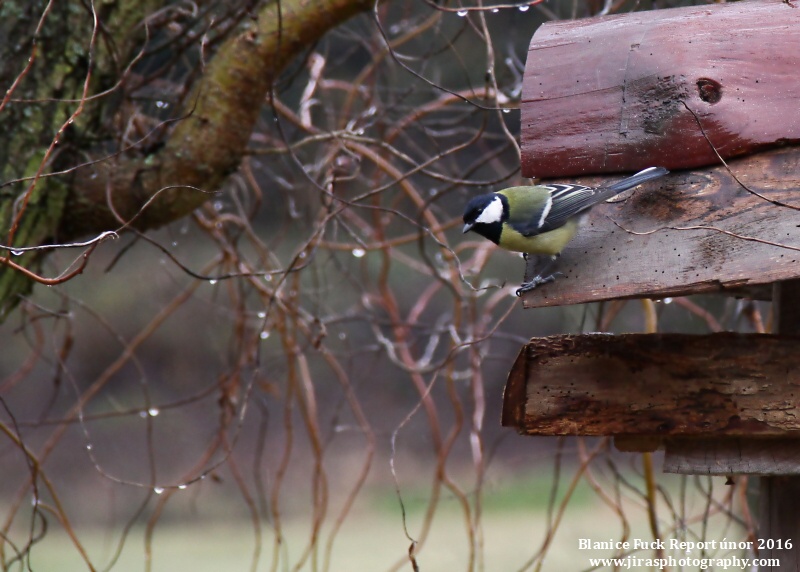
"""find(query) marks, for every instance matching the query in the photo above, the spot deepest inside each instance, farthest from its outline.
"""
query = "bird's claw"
(535, 282)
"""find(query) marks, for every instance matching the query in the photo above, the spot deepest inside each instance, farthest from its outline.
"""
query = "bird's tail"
(634, 180)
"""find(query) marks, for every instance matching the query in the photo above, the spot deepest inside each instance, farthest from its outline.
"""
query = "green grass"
(531, 494)
(368, 541)
(513, 526)
(365, 544)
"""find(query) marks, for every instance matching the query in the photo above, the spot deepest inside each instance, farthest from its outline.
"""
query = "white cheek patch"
(492, 213)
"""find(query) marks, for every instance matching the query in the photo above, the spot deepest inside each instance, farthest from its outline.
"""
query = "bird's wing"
(538, 212)
(535, 213)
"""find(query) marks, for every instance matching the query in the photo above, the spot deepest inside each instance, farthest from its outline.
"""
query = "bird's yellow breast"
(550, 243)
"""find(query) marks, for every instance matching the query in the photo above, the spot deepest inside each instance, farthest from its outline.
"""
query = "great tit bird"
(541, 219)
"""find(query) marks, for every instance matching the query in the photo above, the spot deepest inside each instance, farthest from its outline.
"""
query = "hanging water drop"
(462, 13)
(359, 252)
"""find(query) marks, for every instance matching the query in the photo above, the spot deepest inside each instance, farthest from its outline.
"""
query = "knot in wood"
(710, 90)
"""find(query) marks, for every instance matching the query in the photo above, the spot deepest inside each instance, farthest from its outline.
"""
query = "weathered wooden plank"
(611, 94)
(656, 384)
(746, 456)
(687, 233)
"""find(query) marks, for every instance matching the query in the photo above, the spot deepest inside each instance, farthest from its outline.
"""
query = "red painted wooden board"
(610, 94)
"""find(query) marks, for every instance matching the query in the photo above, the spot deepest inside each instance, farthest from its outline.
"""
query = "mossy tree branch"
(205, 145)
(209, 143)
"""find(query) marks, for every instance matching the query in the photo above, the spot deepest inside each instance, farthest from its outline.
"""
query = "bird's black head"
(485, 215)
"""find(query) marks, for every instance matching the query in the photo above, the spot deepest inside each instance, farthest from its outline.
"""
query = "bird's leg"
(541, 275)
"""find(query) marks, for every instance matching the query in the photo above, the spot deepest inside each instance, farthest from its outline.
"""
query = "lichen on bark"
(198, 150)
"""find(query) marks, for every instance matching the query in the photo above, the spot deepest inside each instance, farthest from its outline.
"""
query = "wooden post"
(779, 496)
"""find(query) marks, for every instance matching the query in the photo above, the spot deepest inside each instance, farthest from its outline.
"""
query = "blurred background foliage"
(306, 373)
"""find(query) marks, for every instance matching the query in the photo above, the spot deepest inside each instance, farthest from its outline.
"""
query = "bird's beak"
(468, 227)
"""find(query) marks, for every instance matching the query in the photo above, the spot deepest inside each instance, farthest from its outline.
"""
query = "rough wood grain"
(697, 232)
(656, 384)
(746, 456)
(610, 94)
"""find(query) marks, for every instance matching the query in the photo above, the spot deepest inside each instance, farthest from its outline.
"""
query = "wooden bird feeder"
(713, 94)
